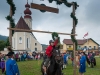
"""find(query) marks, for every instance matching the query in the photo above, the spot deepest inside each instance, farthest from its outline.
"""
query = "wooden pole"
(25, 30)
(74, 71)
(46, 8)
(10, 31)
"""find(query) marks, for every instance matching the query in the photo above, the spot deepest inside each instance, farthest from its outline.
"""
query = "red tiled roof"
(22, 24)
(69, 41)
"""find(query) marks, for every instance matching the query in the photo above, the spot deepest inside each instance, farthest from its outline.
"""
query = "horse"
(87, 59)
(90, 61)
(55, 65)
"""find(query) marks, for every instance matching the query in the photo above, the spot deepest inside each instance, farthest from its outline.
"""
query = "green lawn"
(33, 68)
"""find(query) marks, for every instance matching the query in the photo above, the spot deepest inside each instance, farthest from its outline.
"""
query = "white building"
(25, 41)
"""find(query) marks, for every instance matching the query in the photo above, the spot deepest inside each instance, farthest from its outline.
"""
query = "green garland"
(54, 34)
(12, 23)
(43, 10)
(76, 21)
(72, 16)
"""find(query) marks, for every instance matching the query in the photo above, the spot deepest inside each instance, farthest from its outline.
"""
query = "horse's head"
(57, 55)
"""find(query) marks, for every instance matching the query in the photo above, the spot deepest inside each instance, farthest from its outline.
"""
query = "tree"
(7, 42)
(2, 45)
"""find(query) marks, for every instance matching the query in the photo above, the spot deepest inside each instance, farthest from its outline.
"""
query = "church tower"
(27, 17)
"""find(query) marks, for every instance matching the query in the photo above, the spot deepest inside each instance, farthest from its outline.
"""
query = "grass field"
(33, 68)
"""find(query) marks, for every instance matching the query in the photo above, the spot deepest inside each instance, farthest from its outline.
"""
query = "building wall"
(64, 47)
(16, 36)
(23, 46)
(35, 44)
(90, 43)
(27, 36)
(28, 22)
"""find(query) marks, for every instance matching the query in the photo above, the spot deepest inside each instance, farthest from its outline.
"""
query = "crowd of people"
(28, 56)
(81, 59)
(18, 57)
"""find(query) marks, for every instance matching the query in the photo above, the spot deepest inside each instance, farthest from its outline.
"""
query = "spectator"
(24, 54)
(82, 68)
(34, 54)
(0, 60)
(16, 56)
(11, 65)
(65, 60)
(3, 65)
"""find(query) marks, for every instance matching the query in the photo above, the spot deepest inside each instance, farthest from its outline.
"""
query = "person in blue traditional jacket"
(64, 60)
(11, 65)
(82, 68)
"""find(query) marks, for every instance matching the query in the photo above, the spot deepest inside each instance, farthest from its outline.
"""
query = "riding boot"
(65, 66)
(88, 65)
(45, 73)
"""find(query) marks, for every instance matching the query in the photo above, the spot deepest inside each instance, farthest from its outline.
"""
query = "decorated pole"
(11, 20)
(10, 31)
(74, 71)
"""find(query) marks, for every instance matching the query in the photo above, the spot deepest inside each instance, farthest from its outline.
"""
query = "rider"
(48, 52)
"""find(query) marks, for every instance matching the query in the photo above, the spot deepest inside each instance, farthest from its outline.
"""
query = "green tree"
(2, 45)
(7, 42)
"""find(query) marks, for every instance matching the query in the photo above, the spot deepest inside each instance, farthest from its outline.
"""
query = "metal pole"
(74, 70)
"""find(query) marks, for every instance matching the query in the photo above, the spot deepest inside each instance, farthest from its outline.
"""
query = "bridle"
(57, 56)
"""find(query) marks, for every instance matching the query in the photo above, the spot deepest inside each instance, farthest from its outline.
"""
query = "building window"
(35, 49)
(94, 47)
(27, 42)
(69, 46)
(85, 47)
(20, 40)
(14, 43)
(79, 47)
(90, 47)
(35, 44)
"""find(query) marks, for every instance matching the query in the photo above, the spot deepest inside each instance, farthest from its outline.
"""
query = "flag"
(86, 35)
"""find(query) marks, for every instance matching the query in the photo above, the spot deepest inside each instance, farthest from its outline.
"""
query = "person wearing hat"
(82, 64)
(48, 52)
(11, 65)
(64, 60)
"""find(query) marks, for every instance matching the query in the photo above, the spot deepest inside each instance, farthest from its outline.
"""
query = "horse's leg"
(88, 62)
(94, 62)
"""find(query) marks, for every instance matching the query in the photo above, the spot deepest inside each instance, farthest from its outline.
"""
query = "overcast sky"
(88, 14)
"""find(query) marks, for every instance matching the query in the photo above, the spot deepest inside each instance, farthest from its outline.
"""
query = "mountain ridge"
(3, 37)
